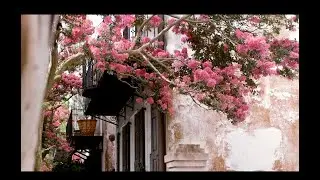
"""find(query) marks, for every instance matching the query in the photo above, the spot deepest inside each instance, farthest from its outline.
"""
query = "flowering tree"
(230, 53)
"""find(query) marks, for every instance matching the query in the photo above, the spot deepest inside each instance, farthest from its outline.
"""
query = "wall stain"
(219, 163)
(177, 130)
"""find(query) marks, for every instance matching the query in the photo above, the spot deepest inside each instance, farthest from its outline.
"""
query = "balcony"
(106, 95)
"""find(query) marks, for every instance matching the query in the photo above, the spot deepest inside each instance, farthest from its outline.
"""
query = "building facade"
(195, 139)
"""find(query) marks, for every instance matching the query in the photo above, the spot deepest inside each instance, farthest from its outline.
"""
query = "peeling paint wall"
(268, 140)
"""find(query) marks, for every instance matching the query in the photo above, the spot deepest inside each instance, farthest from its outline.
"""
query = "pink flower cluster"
(264, 68)
(103, 29)
(253, 43)
(165, 100)
(61, 114)
(122, 45)
(145, 40)
(127, 20)
(291, 56)
(155, 21)
(71, 80)
(180, 28)
(80, 32)
(119, 56)
(101, 65)
(181, 55)
(193, 64)
(120, 68)
(177, 65)
(207, 75)
(235, 106)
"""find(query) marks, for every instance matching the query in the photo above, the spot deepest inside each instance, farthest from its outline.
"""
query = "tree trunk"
(36, 34)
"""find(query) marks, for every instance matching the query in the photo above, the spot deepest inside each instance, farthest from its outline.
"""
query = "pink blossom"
(171, 21)
(150, 100)
(177, 64)
(204, 18)
(211, 83)
(201, 75)
(147, 75)
(140, 72)
(186, 79)
(145, 40)
(164, 106)
(159, 43)
(117, 31)
(122, 45)
(163, 54)
(103, 29)
(119, 57)
(225, 47)
(200, 96)
(171, 111)
(107, 20)
(66, 41)
(192, 64)
(76, 32)
(56, 123)
(184, 39)
(184, 52)
(242, 35)
(207, 64)
(95, 51)
(259, 44)
(242, 78)
(127, 20)
(101, 65)
(139, 100)
(76, 158)
(155, 21)
(242, 49)
(294, 55)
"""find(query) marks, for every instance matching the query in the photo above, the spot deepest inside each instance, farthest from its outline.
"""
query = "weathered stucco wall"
(109, 148)
(267, 140)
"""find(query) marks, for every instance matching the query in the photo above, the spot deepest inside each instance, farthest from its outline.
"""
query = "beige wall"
(267, 140)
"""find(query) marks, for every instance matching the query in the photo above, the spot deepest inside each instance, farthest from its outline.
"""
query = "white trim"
(147, 137)
(130, 118)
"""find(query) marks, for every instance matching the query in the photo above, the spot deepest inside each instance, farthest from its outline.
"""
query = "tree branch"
(187, 20)
(54, 64)
(42, 151)
(155, 69)
(163, 31)
(140, 79)
(156, 59)
(73, 60)
(140, 29)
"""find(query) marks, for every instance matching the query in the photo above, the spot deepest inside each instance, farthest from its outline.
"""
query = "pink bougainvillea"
(226, 61)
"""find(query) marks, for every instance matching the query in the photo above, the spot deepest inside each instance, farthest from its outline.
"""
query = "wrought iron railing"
(90, 75)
